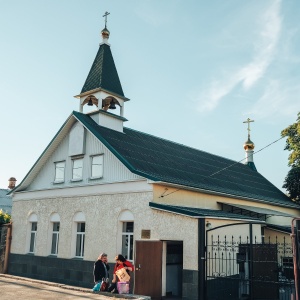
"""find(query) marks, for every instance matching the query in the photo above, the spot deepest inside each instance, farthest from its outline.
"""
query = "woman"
(101, 268)
(121, 262)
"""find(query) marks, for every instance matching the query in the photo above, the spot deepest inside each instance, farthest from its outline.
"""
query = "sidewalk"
(27, 289)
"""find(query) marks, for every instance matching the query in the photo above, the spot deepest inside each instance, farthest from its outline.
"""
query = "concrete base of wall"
(189, 285)
(79, 273)
(66, 271)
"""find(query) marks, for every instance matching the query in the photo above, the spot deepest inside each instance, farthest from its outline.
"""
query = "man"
(101, 268)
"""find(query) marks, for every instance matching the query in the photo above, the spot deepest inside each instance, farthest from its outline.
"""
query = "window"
(55, 238)
(33, 237)
(127, 240)
(80, 240)
(59, 171)
(77, 169)
(97, 166)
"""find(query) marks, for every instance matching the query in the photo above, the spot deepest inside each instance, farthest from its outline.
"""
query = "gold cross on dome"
(105, 16)
(248, 121)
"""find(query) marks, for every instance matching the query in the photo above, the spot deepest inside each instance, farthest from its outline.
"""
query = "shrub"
(4, 217)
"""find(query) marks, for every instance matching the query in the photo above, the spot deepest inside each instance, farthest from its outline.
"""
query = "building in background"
(5, 199)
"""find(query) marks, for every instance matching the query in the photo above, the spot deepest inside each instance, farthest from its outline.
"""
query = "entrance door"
(148, 268)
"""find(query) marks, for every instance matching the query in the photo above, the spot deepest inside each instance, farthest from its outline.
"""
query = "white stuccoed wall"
(103, 231)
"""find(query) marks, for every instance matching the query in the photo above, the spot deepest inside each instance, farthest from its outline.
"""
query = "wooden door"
(148, 268)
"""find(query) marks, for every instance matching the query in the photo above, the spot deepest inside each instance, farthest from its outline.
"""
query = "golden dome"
(249, 145)
(105, 33)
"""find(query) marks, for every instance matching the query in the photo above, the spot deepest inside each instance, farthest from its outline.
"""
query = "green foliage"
(292, 183)
(292, 180)
(292, 133)
(4, 217)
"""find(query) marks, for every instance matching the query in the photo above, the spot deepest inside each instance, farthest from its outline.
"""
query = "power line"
(163, 194)
(246, 157)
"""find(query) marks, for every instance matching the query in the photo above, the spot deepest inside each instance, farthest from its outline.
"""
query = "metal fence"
(244, 267)
(3, 234)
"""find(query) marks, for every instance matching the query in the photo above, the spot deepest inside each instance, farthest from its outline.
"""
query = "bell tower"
(249, 148)
(102, 87)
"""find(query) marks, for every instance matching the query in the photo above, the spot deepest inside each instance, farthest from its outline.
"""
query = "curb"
(74, 288)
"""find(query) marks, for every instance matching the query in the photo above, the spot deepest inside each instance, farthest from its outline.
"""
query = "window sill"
(30, 253)
(58, 182)
(76, 180)
(77, 258)
(95, 178)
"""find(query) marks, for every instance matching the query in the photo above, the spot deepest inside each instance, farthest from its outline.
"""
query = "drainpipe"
(7, 247)
(201, 259)
(294, 241)
(251, 260)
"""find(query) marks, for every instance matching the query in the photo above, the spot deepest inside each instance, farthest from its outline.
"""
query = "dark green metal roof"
(199, 212)
(103, 73)
(162, 160)
(286, 229)
(251, 165)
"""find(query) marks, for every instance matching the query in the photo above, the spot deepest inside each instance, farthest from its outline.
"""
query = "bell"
(112, 105)
(90, 103)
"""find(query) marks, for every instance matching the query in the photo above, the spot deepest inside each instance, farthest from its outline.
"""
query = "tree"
(4, 217)
(292, 183)
(292, 180)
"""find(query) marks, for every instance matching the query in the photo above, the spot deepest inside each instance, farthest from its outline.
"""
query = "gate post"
(7, 247)
(251, 260)
(201, 259)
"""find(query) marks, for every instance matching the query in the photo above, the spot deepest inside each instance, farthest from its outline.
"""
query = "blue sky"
(194, 71)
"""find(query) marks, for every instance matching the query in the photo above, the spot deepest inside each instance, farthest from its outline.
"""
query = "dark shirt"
(99, 270)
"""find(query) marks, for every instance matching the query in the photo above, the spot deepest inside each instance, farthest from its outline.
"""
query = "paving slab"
(27, 289)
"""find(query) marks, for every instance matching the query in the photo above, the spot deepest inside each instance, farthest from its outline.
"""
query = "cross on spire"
(248, 121)
(105, 16)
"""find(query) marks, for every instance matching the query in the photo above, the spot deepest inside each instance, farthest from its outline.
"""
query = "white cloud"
(248, 75)
(279, 98)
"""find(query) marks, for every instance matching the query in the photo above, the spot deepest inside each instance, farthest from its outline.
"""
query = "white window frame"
(79, 217)
(80, 237)
(32, 239)
(74, 161)
(94, 165)
(125, 217)
(55, 239)
(56, 179)
(54, 218)
(129, 236)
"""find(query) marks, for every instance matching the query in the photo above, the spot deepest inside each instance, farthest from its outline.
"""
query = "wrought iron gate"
(3, 233)
(246, 265)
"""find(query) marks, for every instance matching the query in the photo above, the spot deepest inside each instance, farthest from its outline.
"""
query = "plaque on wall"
(146, 234)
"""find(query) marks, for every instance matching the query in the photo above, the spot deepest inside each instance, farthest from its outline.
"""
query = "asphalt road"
(12, 287)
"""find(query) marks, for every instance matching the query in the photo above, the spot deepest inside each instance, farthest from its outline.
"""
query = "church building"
(185, 218)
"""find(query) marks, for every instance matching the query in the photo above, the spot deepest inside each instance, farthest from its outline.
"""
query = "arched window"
(79, 233)
(55, 225)
(33, 232)
(127, 220)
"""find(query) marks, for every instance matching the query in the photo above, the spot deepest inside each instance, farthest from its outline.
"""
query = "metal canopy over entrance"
(252, 211)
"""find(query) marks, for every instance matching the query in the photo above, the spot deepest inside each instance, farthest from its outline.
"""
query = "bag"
(97, 287)
(104, 285)
(123, 287)
(123, 275)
